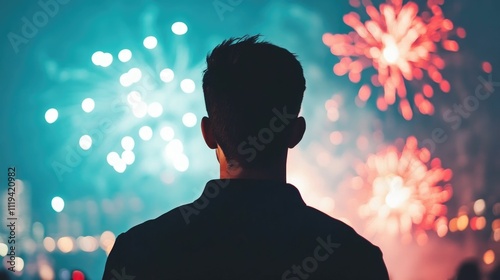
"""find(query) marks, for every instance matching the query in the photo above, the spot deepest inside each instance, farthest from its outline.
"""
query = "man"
(249, 224)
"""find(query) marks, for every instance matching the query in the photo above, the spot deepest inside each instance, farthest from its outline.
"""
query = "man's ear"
(296, 132)
(206, 130)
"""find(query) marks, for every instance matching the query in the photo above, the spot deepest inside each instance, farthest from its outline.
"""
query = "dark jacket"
(244, 229)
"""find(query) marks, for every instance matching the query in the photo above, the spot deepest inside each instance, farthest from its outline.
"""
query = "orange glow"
(107, 240)
(473, 223)
(381, 104)
(364, 92)
(441, 226)
(428, 91)
(447, 174)
(445, 86)
(450, 45)
(496, 225)
(489, 257)
(453, 225)
(442, 230)
(49, 243)
(480, 223)
(65, 244)
(401, 44)
(462, 222)
(404, 107)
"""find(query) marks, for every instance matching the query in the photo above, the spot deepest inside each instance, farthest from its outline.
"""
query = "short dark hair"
(245, 82)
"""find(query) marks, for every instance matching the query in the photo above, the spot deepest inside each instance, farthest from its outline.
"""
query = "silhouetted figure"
(495, 274)
(469, 270)
(250, 223)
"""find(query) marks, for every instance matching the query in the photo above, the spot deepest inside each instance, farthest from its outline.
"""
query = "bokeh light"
(167, 133)
(479, 206)
(150, 42)
(146, 133)
(57, 204)
(77, 275)
(128, 157)
(187, 86)
(140, 110)
(128, 143)
(167, 75)
(19, 264)
(65, 244)
(88, 105)
(462, 222)
(181, 162)
(85, 142)
(120, 166)
(134, 97)
(478, 223)
(46, 271)
(155, 109)
(124, 55)
(107, 240)
(3, 249)
(336, 137)
(174, 147)
(179, 28)
(87, 243)
(49, 243)
(51, 115)
(489, 257)
(189, 119)
(103, 59)
(132, 76)
(112, 158)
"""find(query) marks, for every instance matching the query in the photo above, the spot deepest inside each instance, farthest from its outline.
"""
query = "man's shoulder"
(169, 223)
(326, 223)
(353, 248)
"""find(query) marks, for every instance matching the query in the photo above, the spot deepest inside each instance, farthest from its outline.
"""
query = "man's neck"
(276, 173)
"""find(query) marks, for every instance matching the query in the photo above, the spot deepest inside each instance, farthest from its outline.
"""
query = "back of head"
(246, 83)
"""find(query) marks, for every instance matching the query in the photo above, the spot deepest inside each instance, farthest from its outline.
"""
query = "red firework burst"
(400, 44)
(403, 191)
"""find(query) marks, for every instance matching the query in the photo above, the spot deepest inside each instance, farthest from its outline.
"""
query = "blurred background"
(102, 102)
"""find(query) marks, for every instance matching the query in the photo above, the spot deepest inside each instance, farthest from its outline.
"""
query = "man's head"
(253, 92)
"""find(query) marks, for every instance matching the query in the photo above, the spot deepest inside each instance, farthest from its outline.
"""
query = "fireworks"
(401, 44)
(404, 191)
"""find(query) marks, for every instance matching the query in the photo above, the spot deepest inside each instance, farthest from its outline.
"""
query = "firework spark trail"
(401, 45)
(404, 192)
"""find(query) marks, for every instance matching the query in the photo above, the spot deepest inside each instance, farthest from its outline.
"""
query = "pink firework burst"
(401, 44)
(403, 191)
